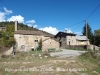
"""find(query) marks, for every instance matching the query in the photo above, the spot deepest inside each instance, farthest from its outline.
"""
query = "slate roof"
(81, 38)
(31, 32)
(64, 34)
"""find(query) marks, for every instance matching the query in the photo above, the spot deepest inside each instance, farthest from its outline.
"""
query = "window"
(35, 40)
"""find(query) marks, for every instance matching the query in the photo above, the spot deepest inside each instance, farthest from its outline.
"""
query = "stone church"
(27, 40)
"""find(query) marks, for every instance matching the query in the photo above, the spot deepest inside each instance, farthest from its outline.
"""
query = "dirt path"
(67, 53)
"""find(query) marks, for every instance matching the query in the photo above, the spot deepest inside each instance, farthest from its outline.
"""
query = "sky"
(52, 15)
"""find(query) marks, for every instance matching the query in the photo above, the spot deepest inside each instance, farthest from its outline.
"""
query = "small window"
(35, 40)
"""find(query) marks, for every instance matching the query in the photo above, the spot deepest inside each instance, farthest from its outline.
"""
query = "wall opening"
(60, 44)
(22, 48)
(69, 42)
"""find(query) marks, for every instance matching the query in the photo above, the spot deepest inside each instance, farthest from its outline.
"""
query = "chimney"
(16, 25)
(66, 30)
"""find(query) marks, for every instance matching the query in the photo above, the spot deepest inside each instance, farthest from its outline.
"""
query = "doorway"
(69, 42)
(60, 44)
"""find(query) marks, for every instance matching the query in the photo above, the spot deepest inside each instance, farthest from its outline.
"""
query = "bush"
(40, 44)
(38, 48)
(91, 57)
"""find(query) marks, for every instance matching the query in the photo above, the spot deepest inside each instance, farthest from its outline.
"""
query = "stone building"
(50, 43)
(27, 39)
(70, 39)
(82, 40)
(63, 38)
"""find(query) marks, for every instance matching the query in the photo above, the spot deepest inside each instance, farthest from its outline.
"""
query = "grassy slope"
(87, 64)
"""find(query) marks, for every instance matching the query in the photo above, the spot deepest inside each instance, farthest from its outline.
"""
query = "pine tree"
(97, 37)
(89, 32)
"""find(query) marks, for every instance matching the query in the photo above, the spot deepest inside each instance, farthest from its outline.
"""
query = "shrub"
(40, 44)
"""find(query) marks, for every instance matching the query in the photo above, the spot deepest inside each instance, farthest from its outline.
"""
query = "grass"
(93, 59)
(31, 60)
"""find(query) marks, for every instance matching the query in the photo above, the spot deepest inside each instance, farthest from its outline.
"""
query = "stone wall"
(74, 41)
(71, 40)
(92, 47)
(27, 42)
(50, 43)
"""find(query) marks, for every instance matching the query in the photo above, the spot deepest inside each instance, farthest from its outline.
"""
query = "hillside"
(21, 26)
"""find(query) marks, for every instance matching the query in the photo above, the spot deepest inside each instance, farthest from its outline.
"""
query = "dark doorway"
(60, 44)
(69, 42)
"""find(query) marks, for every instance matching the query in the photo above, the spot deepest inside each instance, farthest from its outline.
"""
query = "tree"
(89, 32)
(97, 37)
(40, 44)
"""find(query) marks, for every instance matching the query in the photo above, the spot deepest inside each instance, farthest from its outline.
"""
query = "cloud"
(68, 30)
(35, 26)
(3, 15)
(7, 11)
(50, 30)
(78, 33)
(19, 18)
(30, 21)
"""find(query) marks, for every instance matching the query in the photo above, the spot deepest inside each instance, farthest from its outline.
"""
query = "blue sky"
(52, 15)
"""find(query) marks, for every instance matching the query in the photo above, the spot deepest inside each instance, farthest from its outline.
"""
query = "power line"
(76, 23)
(86, 19)
(93, 12)
(77, 27)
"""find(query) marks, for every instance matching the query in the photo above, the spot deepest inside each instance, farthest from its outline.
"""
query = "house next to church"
(70, 39)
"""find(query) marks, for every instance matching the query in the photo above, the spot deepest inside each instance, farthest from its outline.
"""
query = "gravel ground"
(67, 53)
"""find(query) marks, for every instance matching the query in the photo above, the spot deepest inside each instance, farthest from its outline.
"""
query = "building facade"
(50, 43)
(27, 40)
(70, 39)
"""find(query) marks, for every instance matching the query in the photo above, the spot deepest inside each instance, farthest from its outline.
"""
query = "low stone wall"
(76, 46)
(92, 47)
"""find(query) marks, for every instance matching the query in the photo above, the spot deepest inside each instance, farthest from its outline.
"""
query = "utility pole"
(86, 37)
(94, 42)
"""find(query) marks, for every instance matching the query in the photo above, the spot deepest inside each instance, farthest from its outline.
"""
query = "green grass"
(93, 59)
(31, 59)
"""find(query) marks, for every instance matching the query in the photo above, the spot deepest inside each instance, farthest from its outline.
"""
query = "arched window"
(22, 48)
